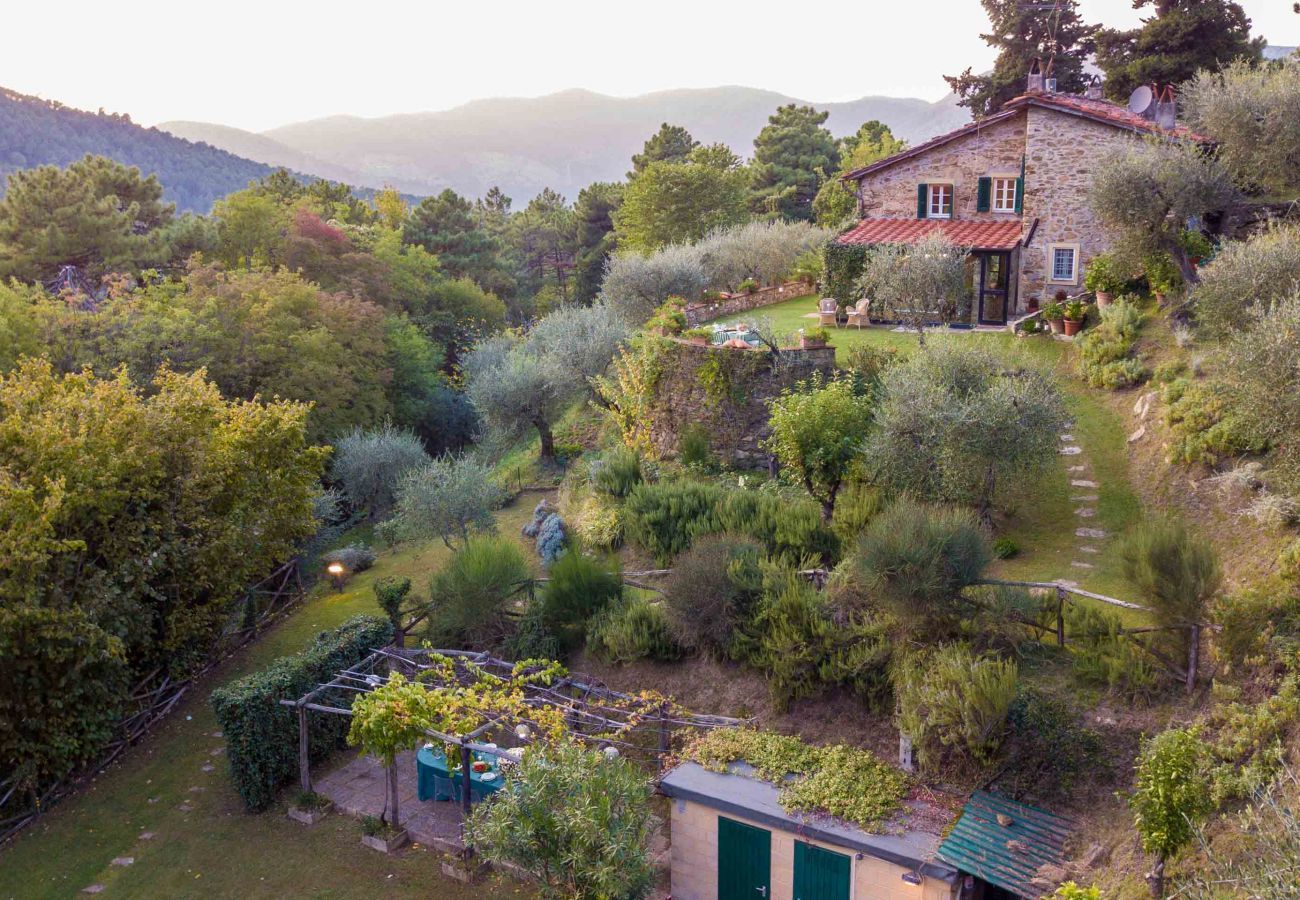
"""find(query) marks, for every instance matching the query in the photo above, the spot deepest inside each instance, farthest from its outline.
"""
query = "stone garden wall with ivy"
(730, 304)
(672, 387)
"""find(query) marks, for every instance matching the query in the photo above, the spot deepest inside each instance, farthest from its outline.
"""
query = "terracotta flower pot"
(1072, 326)
(805, 344)
(1058, 325)
(1104, 298)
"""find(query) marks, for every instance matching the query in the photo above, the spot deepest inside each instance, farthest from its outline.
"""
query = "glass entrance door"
(995, 278)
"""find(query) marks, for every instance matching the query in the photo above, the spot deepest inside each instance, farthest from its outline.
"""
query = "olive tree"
(1146, 193)
(918, 284)
(1253, 113)
(445, 498)
(636, 284)
(576, 820)
(817, 433)
(368, 463)
(955, 423)
(1246, 279)
(764, 250)
(520, 381)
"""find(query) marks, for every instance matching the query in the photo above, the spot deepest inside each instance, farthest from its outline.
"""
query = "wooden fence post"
(304, 752)
(1060, 617)
(664, 737)
(1193, 655)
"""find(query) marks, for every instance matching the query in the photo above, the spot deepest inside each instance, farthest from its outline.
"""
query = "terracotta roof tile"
(973, 233)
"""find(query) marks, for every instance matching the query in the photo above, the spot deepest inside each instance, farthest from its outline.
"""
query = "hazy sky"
(261, 64)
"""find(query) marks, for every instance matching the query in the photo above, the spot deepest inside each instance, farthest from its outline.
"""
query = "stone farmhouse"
(1013, 188)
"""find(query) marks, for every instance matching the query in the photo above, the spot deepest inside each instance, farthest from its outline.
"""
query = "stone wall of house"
(1061, 154)
(995, 150)
(731, 304)
(728, 399)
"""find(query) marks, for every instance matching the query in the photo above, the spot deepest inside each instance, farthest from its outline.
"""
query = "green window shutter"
(983, 195)
(1020, 194)
(922, 200)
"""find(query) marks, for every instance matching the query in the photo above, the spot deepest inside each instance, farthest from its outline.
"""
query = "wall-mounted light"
(912, 877)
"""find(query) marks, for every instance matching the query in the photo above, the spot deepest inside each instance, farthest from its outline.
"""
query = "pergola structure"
(640, 726)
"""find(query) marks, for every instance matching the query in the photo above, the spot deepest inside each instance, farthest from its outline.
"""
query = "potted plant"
(812, 338)
(698, 336)
(1054, 315)
(1163, 276)
(1104, 278)
(1074, 315)
(309, 807)
(748, 286)
(669, 318)
(382, 836)
(1032, 305)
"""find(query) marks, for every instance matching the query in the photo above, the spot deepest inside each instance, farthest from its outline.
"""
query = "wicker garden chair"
(827, 312)
(859, 314)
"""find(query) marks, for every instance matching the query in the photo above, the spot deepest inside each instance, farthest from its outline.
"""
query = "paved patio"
(357, 787)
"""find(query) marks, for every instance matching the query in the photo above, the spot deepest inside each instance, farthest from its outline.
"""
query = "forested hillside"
(37, 132)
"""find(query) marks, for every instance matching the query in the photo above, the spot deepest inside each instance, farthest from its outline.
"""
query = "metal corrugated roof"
(1008, 856)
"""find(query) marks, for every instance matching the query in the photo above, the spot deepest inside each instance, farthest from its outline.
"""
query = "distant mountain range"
(36, 132)
(563, 141)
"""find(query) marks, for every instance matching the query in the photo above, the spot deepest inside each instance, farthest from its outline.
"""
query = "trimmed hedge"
(262, 736)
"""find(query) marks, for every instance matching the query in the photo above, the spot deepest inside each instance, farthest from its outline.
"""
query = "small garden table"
(435, 782)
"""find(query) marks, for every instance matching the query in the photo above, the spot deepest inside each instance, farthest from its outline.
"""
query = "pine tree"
(793, 155)
(1183, 37)
(594, 220)
(1021, 32)
(445, 226)
(671, 143)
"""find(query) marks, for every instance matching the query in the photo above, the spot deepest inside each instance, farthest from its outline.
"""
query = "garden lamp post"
(337, 573)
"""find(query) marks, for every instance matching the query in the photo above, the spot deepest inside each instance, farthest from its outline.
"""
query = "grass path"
(169, 805)
(1043, 519)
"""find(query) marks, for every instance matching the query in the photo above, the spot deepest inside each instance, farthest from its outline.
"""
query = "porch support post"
(304, 753)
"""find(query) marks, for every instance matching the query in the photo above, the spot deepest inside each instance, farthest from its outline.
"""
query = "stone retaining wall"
(725, 391)
(730, 304)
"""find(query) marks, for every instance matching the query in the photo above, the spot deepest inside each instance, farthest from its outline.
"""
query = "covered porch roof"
(975, 234)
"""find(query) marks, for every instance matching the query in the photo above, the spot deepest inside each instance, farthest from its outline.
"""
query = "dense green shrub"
(368, 463)
(472, 596)
(949, 698)
(1172, 793)
(617, 472)
(1004, 617)
(1102, 656)
(1259, 625)
(531, 639)
(1177, 569)
(1049, 750)
(868, 363)
(62, 682)
(694, 449)
(262, 736)
(579, 587)
(663, 518)
(597, 522)
(578, 821)
(1205, 424)
(1104, 350)
(857, 506)
(1005, 548)
(631, 630)
(916, 559)
(804, 652)
(712, 593)
(791, 529)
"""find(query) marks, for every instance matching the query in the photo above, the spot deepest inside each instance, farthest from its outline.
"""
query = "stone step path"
(1085, 494)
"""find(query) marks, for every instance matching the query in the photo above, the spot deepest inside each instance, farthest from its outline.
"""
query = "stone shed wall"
(995, 150)
(1062, 153)
(725, 391)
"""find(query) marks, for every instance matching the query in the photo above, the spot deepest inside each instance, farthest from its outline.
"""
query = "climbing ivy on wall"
(725, 374)
(843, 266)
(629, 391)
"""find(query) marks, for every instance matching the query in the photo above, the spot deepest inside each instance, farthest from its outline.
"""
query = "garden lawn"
(1042, 520)
(203, 844)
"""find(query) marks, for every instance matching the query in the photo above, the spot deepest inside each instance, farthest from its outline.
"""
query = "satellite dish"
(1141, 100)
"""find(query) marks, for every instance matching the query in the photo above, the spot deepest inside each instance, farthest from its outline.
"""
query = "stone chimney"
(1094, 89)
(1035, 83)
(1167, 109)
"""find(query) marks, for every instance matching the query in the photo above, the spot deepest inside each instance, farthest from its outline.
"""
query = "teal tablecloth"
(434, 782)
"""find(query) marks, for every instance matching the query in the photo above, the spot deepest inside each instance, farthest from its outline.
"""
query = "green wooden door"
(744, 861)
(820, 874)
